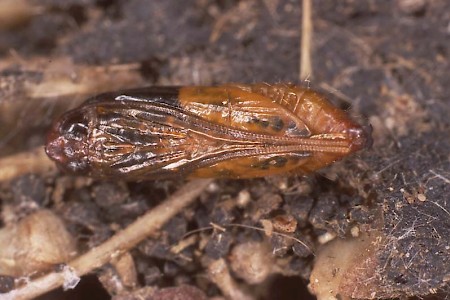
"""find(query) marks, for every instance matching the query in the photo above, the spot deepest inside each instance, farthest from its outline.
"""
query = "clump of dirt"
(388, 61)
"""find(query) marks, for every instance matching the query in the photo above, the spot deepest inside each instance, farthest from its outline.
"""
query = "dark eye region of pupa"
(227, 131)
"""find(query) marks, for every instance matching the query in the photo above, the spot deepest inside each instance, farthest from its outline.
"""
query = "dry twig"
(116, 245)
(33, 161)
(307, 31)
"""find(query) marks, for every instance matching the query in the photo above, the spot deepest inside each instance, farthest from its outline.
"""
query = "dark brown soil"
(389, 62)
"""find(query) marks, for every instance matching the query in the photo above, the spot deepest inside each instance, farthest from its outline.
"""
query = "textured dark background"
(388, 59)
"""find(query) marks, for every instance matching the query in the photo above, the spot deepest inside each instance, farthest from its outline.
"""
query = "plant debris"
(388, 62)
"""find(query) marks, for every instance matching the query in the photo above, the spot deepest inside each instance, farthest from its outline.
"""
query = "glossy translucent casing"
(233, 131)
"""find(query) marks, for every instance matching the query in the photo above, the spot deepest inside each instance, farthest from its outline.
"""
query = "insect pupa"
(227, 131)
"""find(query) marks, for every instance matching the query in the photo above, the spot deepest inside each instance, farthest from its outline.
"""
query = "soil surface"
(386, 62)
